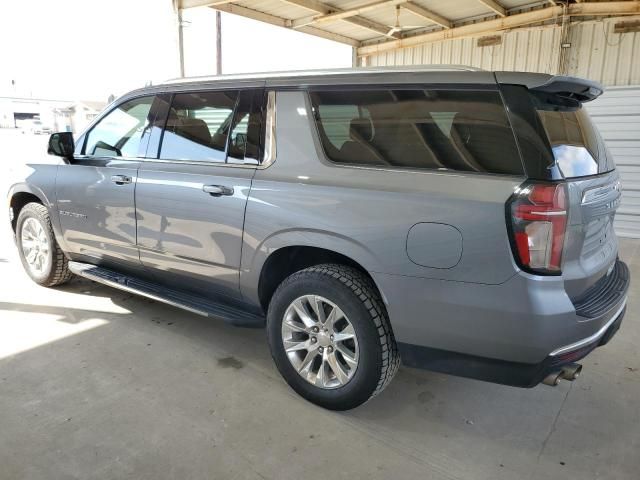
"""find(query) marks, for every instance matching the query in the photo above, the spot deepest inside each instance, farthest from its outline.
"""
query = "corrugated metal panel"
(617, 114)
(596, 52)
(524, 49)
(602, 55)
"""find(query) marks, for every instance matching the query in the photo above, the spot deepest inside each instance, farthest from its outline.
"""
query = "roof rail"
(334, 71)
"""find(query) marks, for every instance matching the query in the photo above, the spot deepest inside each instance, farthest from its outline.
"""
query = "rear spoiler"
(569, 87)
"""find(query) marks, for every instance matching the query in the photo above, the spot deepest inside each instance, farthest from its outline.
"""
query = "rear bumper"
(513, 333)
(502, 371)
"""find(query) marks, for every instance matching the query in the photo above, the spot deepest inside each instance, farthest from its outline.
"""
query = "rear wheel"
(330, 336)
(39, 252)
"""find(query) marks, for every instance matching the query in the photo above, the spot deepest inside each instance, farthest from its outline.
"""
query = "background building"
(56, 115)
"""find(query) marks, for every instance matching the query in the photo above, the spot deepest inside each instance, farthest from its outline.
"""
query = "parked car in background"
(452, 219)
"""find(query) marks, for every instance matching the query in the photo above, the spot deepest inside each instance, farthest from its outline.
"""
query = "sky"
(90, 49)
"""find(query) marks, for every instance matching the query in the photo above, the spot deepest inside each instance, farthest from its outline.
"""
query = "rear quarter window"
(456, 130)
(576, 143)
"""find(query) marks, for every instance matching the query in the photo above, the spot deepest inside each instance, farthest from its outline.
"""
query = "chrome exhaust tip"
(553, 379)
(571, 372)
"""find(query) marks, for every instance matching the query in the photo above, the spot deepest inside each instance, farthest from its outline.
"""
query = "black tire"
(358, 298)
(57, 272)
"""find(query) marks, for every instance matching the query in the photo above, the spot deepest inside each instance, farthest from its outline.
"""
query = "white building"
(58, 115)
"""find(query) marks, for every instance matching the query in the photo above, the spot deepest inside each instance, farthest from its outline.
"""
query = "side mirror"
(61, 144)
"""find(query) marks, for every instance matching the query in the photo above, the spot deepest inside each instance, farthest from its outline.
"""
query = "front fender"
(23, 187)
(41, 184)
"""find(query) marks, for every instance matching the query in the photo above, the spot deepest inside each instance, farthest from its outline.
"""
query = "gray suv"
(455, 219)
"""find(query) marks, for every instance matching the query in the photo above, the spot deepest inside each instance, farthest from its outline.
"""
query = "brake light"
(537, 213)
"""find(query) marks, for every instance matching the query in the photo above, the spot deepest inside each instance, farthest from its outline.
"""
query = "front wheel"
(41, 256)
(330, 336)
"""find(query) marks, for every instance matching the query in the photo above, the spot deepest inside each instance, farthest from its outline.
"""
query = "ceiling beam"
(426, 14)
(370, 25)
(342, 14)
(282, 22)
(512, 21)
(604, 8)
(324, 9)
(495, 6)
(504, 23)
(184, 4)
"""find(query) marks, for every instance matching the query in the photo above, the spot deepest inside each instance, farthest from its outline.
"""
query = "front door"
(191, 201)
(95, 192)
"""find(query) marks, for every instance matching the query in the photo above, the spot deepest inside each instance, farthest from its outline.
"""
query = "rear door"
(95, 192)
(191, 200)
(583, 159)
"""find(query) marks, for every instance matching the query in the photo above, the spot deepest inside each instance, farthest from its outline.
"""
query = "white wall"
(617, 115)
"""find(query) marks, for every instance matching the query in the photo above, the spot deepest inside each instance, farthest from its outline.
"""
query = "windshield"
(577, 146)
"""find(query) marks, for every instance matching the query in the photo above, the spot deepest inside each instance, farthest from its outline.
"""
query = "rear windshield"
(458, 130)
(577, 146)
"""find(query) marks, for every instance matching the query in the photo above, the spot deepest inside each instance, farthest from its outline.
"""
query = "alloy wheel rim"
(35, 246)
(320, 342)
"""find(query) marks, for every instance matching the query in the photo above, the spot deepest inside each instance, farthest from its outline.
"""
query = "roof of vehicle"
(583, 90)
(327, 73)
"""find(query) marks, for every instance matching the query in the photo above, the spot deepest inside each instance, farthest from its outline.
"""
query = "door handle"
(217, 190)
(121, 179)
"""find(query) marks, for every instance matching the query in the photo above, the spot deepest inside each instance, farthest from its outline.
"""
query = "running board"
(191, 303)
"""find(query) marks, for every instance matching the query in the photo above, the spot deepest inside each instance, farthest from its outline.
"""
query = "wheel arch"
(286, 260)
(22, 194)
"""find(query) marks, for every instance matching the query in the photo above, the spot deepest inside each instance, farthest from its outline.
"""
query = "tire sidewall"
(365, 380)
(25, 214)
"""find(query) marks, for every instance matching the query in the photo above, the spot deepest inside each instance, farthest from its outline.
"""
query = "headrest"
(195, 129)
(461, 124)
(361, 128)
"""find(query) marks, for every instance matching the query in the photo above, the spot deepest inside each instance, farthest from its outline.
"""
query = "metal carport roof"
(373, 26)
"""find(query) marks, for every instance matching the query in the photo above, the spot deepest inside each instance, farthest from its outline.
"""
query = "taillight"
(537, 213)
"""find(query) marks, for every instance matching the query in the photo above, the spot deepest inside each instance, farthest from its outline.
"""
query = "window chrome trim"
(269, 155)
(168, 160)
(198, 162)
(105, 158)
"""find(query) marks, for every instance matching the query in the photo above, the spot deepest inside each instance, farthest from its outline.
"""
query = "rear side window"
(214, 126)
(122, 132)
(417, 128)
(198, 125)
(244, 142)
(578, 148)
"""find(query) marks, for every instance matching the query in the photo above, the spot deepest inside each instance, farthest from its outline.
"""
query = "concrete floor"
(98, 384)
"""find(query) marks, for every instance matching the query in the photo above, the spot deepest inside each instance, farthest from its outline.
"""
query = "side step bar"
(191, 303)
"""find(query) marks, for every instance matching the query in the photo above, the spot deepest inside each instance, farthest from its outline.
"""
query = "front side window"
(122, 132)
(198, 126)
(417, 128)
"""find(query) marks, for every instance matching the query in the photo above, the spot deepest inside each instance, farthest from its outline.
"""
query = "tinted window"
(123, 132)
(245, 133)
(427, 129)
(198, 125)
(576, 144)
